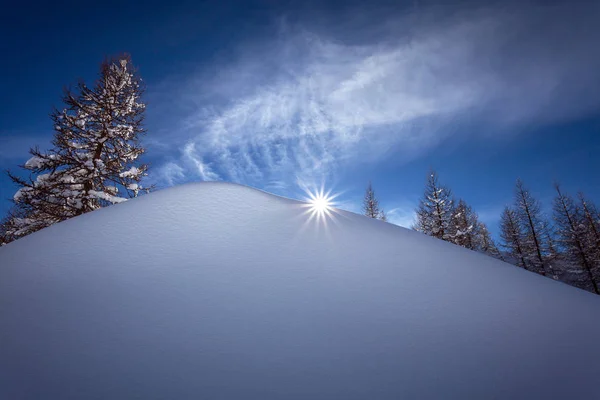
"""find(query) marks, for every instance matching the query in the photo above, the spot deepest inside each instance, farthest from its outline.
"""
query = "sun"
(319, 203)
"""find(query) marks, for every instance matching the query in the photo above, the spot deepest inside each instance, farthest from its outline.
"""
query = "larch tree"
(434, 214)
(94, 158)
(371, 204)
(5, 236)
(383, 215)
(7, 225)
(467, 231)
(485, 243)
(464, 226)
(528, 211)
(511, 234)
(591, 224)
(571, 231)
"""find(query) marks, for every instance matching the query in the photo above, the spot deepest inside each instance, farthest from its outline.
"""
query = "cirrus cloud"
(305, 104)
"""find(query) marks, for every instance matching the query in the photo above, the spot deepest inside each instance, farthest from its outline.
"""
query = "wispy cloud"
(203, 170)
(402, 214)
(169, 174)
(305, 104)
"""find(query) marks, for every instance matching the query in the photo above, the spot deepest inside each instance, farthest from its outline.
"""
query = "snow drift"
(219, 291)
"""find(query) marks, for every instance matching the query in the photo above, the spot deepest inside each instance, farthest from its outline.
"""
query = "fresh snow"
(20, 193)
(221, 291)
(133, 171)
(34, 162)
(107, 197)
(80, 123)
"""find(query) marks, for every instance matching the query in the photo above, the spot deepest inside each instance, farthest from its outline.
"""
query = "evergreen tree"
(9, 226)
(463, 229)
(528, 211)
(485, 243)
(549, 237)
(5, 236)
(371, 204)
(383, 215)
(93, 162)
(511, 234)
(434, 214)
(572, 233)
(591, 224)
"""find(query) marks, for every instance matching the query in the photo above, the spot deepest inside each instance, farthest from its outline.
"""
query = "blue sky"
(269, 93)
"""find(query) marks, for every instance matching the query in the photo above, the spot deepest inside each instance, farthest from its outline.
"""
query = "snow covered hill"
(219, 291)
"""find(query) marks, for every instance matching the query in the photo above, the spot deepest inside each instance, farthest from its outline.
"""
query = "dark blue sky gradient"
(48, 46)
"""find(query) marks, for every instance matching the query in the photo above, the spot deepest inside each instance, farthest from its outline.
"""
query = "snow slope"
(219, 291)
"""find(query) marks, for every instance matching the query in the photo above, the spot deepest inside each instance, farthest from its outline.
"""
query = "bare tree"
(571, 232)
(512, 236)
(93, 162)
(591, 222)
(383, 215)
(434, 214)
(464, 226)
(485, 243)
(528, 211)
(371, 204)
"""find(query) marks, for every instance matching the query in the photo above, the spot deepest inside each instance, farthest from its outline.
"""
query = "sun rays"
(320, 205)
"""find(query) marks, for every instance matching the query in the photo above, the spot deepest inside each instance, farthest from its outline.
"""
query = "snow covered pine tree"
(434, 214)
(591, 222)
(571, 229)
(371, 205)
(485, 243)
(534, 246)
(467, 231)
(383, 215)
(464, 226)
(95, 148)
(7, 225)
(512, 235)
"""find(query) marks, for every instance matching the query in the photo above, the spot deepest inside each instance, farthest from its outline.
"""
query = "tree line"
(93, 161)
(564, 246)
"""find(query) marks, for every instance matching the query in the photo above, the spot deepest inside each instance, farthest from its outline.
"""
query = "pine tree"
(485, 243)
(511, 234)
(383, 215)
(371, 204)
(93, 162)
(591, 224)
(467, 231)
(572, 233)
(463, 228)
(5, 236)
(434, 214)
(528, 211)
(9, 226)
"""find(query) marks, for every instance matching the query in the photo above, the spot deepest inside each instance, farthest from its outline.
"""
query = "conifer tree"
(572, 233)
(485, 243)
(371, 204)
(463, 229)
(93, 161)
(528, 211)
(511, 234)
(383, 215)
(5, 236)
(467, 231)
(591, 224)
(434, 214)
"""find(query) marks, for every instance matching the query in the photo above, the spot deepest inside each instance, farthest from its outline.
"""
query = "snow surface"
(219, 291)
